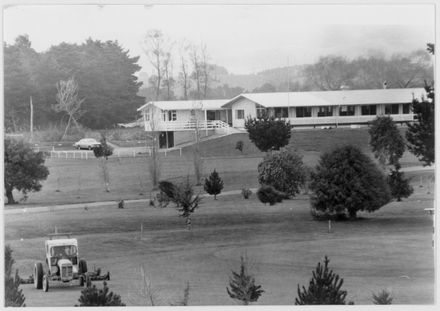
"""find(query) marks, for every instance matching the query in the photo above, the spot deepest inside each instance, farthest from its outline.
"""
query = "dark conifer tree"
(242, 285)
(213, 184)
(93, 297)
(324, 288)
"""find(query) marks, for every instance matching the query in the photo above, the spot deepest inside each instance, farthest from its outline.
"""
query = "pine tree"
(93, 297)
(214, 184)
(399, 185)
(242, 285)
(13, 296)
(186, 201)
(324, 288)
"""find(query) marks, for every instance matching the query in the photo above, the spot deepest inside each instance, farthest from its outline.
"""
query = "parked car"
(87, 143)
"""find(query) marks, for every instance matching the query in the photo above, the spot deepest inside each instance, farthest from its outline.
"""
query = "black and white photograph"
(219, 154)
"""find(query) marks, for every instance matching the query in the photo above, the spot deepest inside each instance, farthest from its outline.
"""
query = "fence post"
(86, 154)
(180, 151)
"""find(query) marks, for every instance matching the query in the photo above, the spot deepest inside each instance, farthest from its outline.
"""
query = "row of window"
(327, 111)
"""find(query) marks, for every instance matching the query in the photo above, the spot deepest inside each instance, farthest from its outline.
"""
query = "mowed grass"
(80, 180)
(389, 249)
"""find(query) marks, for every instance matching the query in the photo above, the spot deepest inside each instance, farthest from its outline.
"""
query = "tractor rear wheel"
(38, 275)
(82, 266)
(45, 283)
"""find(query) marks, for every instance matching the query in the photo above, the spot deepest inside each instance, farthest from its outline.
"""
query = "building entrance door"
(166, 140)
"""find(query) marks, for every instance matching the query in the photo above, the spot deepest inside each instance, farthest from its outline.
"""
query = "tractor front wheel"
(81, 281)
(38, 275)
(45, 283)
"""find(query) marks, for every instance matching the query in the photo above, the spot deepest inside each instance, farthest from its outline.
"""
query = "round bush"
(283, 170)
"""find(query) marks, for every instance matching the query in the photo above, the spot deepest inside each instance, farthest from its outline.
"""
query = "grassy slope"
(390, 249)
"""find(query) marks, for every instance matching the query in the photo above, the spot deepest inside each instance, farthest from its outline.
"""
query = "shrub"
(382, 298)
(347, 181)
(93, 297)
(13, 296)
(24, 168)
(385, 140)
(399, 185)
(242, 285)
(282, 170)
(268, 194)
(246, 193)
(213, 184)
(239, 145)
(268, 133)
(167, 192)
(324, 288)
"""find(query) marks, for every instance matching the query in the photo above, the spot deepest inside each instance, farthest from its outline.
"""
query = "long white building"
(177, 120)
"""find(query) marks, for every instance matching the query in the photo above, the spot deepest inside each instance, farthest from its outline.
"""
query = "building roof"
(331, 98)
(208, 104)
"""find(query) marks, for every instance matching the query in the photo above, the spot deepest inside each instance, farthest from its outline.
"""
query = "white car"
(87, 143)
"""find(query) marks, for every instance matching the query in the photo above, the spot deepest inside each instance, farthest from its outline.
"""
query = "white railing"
(189, 125)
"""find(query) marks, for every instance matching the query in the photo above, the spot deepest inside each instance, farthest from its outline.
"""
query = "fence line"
(131, 153)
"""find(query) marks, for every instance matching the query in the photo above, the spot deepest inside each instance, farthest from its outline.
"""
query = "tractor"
(63, 264)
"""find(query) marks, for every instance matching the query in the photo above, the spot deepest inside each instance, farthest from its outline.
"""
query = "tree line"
(104, 73)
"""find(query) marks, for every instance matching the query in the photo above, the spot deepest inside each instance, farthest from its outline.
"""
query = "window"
(325, 111)
(261, 111)
(405, 108)
(147, 116)
(239, 114)
(172, 115)
(392, 109)
(368, 110)
(346, 111)
(282, 112)
(303, 112)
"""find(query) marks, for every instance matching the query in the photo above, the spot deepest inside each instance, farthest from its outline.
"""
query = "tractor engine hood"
(67, 263)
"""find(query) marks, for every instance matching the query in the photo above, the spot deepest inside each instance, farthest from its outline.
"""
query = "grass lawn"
(79, 180)
(390, 249)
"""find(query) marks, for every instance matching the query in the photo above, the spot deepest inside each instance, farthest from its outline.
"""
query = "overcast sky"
(244, 39)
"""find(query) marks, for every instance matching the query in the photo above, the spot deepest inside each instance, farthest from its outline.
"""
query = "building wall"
(249, 111)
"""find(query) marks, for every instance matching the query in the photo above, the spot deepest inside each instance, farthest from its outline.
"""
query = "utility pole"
(32, 119)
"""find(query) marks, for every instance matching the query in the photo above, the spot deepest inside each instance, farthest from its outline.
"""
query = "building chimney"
(384, 84)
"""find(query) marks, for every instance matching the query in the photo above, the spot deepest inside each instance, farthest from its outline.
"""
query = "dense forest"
(105, 74)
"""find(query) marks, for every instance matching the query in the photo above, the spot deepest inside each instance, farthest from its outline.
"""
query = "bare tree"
(168, 80)
(156, 46)
(68, 101)
(196, 74)
(184, 78)
(205, 69)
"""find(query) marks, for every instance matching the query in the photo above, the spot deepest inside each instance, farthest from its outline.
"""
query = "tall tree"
(346, 181)
(68, 102)
(24, 168)
(20, 63)
(184, 74)
(420, 134)
(385, 140)
(168, 80)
